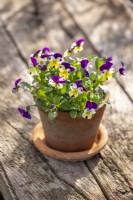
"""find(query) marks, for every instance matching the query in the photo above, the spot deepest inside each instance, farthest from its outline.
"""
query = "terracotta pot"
(71, 135)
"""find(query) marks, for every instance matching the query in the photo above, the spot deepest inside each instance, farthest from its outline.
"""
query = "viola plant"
(66, 83)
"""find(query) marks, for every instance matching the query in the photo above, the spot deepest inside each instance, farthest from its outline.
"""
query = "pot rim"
(100, 105)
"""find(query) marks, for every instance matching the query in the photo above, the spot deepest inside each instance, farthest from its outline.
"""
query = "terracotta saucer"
(40, 143)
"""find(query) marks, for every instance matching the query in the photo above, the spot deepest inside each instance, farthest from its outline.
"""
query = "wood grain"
(28, 174)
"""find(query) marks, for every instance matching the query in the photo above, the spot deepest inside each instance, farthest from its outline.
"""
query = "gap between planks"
(96, 51)
(90, 43)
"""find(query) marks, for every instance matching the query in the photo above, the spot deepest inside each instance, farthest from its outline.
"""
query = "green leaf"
(79, 114)
(64, 89)
(92, 76)
(52, 115)
(73, 114)
(56, 100)
(91, 58)
(41, 95)
(73, 107)
(26, 85)
(79, 74)
(48, 89)
(99, 62)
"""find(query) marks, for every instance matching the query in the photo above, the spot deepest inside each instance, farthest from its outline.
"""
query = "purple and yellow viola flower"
(78, 45)
(90, 110)
(67, 53)
(55, 60)
(76, 88)
(46, 53)
(33, 58)
(65, 69)
(122, 69)
(57, 81)
(53, 107)
(16, 83)
(86, 65)
(107, 70)
(24, 113)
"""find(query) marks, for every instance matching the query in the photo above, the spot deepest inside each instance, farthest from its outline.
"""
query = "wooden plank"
(29, 172)
(98, 166)
(109, 25)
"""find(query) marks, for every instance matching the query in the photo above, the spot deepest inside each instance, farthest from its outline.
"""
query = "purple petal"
(109, 59)
(58, 55)
(17, 82)
(106, 66)
(122, 69)
(68, 66)
(78, 42)
(86, 73)
(45, 56)
(91, 105)
(52, 106)
(62, 81)
(57, 79)
(84, 63)
(79, 83)
(83, 88)
(14, 90)
(43, 67)
(46, 50)
(33, 60)
(36, 53)
(24, 113)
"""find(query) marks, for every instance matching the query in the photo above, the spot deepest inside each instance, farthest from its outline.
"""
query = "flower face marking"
(64, 72)
(107, 70)
(78, 46)
(55, 60)
(122, 69)
(53, 107)
(54, 63)
(67, 53)
(74, 92)
(90, 110)
(57, 82)
(24, 113)
(65, 69)
(76, 88)
(87, 114)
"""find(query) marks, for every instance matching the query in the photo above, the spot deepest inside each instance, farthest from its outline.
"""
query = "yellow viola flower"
(67, 53)
(54, 63)
(87, 114)
(74, 92)
(64, 72)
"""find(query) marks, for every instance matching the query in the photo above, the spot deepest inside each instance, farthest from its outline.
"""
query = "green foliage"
(73, 113)
(99, 62)
(70, 96)
(52, 115)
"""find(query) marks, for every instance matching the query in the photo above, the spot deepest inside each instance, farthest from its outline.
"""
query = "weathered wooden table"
(25, 173)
